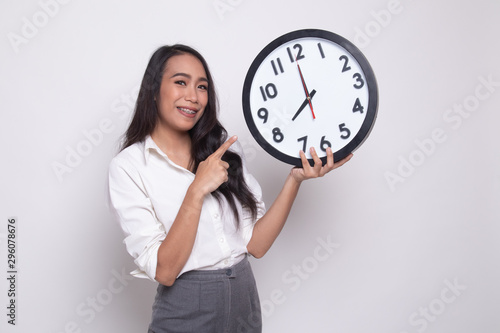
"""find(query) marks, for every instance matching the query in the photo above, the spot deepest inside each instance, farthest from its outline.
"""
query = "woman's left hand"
(268, 227)
(318, 170)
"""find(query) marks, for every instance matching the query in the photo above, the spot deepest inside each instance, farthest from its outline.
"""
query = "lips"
(188, 112)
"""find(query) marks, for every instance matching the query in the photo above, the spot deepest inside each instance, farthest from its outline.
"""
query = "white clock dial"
(305, 90)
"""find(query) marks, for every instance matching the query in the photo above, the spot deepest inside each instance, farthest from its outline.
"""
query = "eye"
(203, 87)
(180, 82)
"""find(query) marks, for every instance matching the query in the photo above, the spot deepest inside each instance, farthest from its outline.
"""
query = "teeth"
(187, 111)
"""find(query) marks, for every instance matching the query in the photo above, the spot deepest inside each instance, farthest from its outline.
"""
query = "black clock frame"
(371, 110)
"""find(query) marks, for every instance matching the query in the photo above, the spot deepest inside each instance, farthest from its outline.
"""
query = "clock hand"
(305, 88)
(306, 101)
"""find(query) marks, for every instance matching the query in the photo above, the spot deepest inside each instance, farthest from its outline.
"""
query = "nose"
(192, 94)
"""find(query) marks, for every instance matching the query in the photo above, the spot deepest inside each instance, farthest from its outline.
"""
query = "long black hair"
(206, 136)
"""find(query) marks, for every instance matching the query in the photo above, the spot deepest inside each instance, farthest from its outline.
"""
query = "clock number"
(347, 132)
(270, 91)
(360, 83)
(345, 68)
(304, 138)
(357, 106)
(321, 51)
(324, 144)
(280, 66)
(299, 53)
(262, 114)
(277, 135)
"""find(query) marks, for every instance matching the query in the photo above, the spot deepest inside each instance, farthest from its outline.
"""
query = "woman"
(190, 211)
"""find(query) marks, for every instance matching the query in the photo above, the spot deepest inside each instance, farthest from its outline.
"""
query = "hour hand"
(304, 104)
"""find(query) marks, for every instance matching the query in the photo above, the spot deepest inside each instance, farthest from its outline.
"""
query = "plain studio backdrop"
(402, 239)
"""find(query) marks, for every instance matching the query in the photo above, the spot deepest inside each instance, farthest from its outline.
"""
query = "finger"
(224, 176)
(305, 162)
(329, 158)
(225, 146)
(317, 161)
(329, 166)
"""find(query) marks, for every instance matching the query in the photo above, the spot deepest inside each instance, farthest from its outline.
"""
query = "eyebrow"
(204, 79)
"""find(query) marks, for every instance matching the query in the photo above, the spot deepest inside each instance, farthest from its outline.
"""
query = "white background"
(415, 224)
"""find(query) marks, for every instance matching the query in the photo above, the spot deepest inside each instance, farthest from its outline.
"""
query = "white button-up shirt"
(146, 190)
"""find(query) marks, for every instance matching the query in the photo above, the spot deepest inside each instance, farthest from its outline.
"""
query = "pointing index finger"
(225, 146)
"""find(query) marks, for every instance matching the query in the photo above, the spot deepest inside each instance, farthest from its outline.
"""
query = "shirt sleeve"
(133, 210)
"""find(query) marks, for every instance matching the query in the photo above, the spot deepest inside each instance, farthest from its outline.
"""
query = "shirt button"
(226, 262)
(229, 272)
(221, 240)
(216, 216)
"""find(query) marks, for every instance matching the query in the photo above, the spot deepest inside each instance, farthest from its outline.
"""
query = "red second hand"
(305, 88)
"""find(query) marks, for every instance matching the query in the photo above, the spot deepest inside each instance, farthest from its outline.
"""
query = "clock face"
(310, 88)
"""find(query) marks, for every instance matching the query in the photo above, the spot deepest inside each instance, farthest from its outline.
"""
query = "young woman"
(190, 211)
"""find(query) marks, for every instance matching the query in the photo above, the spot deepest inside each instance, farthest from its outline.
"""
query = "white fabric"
(146, 190)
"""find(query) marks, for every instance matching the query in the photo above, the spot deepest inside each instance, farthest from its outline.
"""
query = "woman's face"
(183, 93)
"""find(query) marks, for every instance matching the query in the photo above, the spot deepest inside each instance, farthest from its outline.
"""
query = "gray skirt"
(216, 301)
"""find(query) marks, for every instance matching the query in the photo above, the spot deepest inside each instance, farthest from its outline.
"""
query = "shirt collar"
(149, 145)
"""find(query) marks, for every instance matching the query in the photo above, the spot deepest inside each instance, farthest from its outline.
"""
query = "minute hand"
(305, 88)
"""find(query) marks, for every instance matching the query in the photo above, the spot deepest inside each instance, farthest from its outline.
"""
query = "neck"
(177, 145)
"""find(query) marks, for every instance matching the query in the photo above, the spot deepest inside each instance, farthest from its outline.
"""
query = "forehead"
(185, 63)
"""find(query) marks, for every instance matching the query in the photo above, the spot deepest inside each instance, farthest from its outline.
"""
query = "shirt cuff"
(147, 263)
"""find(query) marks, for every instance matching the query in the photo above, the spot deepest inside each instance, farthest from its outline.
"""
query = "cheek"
(200, 114)
(204, 99)
(168, 95)
(166, 101)
(162, 107)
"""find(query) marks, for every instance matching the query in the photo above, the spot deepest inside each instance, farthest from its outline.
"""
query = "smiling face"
(183, 93)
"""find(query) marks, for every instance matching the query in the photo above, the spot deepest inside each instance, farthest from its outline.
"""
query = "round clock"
(310, 88)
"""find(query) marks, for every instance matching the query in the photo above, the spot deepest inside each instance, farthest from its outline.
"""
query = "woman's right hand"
(212, 172)
(176, 248)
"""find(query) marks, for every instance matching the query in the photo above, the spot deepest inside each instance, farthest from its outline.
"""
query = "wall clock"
(310, 88)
